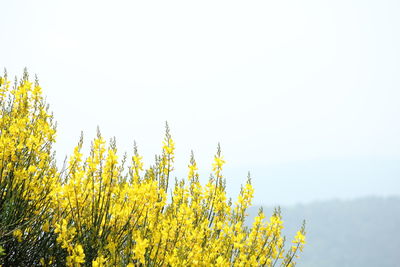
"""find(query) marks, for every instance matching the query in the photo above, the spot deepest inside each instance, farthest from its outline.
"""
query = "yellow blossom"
(18, 234)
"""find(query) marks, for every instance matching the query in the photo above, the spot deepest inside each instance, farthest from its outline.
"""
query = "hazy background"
(304, 94)
(354, 233)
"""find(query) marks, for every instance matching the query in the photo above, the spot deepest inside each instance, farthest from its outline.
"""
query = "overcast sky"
(304, 94)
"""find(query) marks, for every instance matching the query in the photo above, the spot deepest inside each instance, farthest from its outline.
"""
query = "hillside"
(363, 232)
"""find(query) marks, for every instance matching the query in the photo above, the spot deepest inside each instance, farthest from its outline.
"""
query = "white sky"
(304, 94)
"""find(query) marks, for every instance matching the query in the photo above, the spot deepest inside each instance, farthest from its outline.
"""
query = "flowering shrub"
(100, 212)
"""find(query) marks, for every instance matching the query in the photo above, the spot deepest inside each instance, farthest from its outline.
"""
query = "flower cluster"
(28, 175)
(98, 212)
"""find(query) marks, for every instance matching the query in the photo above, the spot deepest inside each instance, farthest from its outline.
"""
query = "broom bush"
(104, 211)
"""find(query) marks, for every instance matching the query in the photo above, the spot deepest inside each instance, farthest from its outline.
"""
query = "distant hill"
(357, 233)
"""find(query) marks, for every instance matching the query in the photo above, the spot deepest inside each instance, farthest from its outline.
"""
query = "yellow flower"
(140, 249)
(18, 234)
(99, 262)
(299, 238)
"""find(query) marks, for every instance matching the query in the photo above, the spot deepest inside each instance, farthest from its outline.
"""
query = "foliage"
(99, 212)
(28, 175)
